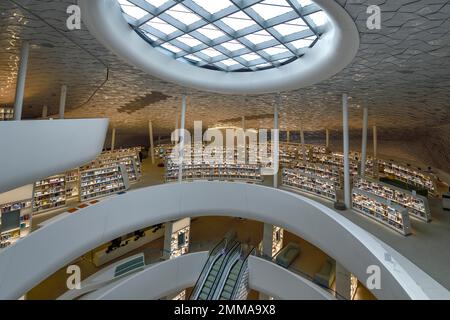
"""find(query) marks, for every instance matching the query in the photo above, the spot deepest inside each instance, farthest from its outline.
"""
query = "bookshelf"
(102, 182)
(416, 205)
(180, 239)
(384, 211)
(6, 114)
(49, 193)
(128, 157)
(72, 183)
(15, 221)
(309, 183)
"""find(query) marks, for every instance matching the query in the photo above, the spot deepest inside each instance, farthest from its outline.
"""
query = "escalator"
(230, 283)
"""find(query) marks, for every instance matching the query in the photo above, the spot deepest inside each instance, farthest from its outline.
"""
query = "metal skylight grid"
(228, 35)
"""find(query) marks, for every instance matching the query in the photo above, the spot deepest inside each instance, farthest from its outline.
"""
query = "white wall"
(18, 194)
(280, 283)
(33, 150)
(32, 259)
(156, 281)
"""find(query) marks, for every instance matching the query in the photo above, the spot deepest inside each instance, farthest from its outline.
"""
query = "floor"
(416, 247)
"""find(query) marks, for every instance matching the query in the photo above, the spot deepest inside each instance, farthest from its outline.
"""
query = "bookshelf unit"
(102, 182)
(384, 211)
(72, 183)
(19, 226)
(6, 114)
(416, 205)
(309, 183)
(128, 157)
(180, 238)
(49, 194)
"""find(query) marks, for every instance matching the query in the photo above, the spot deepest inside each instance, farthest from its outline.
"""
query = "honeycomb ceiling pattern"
(400, 72)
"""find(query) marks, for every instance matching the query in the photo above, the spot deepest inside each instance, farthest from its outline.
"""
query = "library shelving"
(309, 183)
(6, 114)
(277, 239)
(15, 221)
(384, 211)
(214, 171)
(72, 183)
(416, 205)
(332, 173)
(49, 193)
(102, 182)
(408, 175)
(128, 157)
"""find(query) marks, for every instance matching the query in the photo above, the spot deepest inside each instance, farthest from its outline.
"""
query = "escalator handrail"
(207, 264)
(241, 270)
(236, 245)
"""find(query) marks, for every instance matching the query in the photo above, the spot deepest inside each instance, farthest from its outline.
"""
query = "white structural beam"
(275, 142)
(113, 139)
(168, 230)
(375, 142)
(152, 144)
(243, 123)
(288, 136)
(21, 77)
(182, 142)
(364, 141)
(327, 138)
(347, 194)
(62, 101)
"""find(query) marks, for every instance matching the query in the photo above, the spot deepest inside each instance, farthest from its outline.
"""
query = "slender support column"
(346, 151)
(168, 230)
(44, 112)
(288, 136)
(364, 141)
(152, 146)
(174, 137)
(275, 142)
(243, 123)
(113, 139)
(267, 240)
(182, 126)
(327, 138)
(375, 143)
(302, 142)
(21, 77)
(62, 101)
(343, 282)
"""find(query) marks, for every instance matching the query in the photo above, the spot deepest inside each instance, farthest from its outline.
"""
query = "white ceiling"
(400, 72)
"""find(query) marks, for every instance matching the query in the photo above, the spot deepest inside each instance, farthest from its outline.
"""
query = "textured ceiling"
(400, 72)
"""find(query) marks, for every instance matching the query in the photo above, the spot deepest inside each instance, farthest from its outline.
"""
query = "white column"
(343, 282)
(302, 142)
(375, 142)
(44, 112)
(364, 141)
(181, 144)
(152, 147)
(168, 230)
(288, 136)
(21, 77)
(347, 197)
(174, 137)
(62, 101)
(113, 139)
(243, 123)
(275, 142)
(327, 138)
(267, 240)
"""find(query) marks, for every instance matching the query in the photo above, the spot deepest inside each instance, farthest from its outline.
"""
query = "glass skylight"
(245, 35)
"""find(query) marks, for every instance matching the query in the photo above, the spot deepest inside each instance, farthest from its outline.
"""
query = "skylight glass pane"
(275, 50)
(304, 3)
(229, 62)
(189, 40)
(303, 43)
(259, 37)
(291, 27)
(232, 45)
(162, 26)
(171, 47)
(238, 21)
(250, 57)
(192, 57)
(183, 14)
(211, 32)
(210, 52)
(319, 18)
(269, 9)
(132, 10)
(156, 3)
(213, 6)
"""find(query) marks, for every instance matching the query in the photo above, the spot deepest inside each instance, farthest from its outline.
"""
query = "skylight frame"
(229, 34)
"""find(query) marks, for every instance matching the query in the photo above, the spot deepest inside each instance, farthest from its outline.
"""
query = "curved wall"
(34, 150)
(280, 283)
(68, 238)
